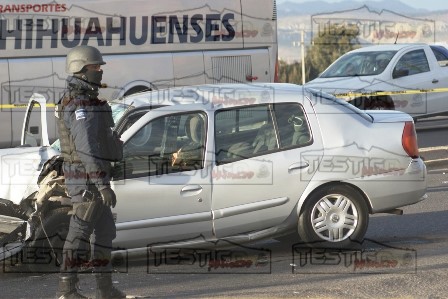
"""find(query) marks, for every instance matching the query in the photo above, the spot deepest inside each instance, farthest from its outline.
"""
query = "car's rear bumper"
(395, 189)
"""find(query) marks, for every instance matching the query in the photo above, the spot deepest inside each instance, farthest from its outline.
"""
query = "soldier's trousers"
(85, 238)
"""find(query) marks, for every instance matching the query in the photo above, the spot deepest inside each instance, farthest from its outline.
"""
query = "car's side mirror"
(398, 73)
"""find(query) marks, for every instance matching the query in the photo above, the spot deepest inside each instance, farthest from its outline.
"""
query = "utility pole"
(302, 50)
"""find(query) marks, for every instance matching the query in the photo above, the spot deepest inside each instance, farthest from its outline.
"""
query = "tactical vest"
(68, 149)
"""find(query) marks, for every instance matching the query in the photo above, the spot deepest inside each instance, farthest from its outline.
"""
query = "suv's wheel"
(40, 256)
(335, 217)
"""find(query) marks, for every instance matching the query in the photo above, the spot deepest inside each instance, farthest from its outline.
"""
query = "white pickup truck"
(412, 78)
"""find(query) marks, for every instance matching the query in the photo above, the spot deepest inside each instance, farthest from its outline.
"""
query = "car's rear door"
(439, 67)
(259, 178)
(413, 71)
(159, 202)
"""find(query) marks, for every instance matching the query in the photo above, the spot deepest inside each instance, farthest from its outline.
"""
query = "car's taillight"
(409, 140)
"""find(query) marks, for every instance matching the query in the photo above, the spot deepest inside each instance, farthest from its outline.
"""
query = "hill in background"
(377, 22)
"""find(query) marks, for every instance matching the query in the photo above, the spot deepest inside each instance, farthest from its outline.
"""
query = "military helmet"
(81, 56)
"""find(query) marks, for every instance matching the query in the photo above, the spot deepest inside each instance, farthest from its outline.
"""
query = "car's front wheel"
(334, 217)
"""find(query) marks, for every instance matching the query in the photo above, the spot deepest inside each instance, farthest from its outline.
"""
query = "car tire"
(55, 225)
(379, 103)
(334, 217)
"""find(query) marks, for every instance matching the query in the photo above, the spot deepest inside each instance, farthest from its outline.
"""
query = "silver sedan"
(241, 162)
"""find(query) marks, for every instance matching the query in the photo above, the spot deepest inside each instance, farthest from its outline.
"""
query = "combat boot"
(105, 288)
(68, 287)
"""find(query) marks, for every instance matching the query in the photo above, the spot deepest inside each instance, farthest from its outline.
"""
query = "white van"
(146, 45)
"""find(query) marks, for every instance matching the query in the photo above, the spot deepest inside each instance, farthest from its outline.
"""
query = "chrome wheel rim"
(334, 218)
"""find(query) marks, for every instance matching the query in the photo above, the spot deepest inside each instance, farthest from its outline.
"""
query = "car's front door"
(261, 165)
(162, 188)
(34, 128)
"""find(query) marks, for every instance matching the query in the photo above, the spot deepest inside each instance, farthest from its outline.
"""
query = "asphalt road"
(402, 257)
(432, 132)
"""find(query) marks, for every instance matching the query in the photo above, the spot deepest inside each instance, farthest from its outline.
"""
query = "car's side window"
(167, 144)
(246, 132)
(440, 52)
(441, 55)
(411, 63)
(292, 125)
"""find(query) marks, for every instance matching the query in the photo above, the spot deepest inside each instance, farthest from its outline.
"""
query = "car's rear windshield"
(315, 95)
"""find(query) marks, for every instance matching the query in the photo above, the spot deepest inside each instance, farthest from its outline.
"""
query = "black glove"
(109, 198)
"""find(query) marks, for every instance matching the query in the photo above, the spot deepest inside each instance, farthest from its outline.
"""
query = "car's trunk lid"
(388, 116)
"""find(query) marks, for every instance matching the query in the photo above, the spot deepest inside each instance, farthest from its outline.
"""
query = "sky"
(428, 4)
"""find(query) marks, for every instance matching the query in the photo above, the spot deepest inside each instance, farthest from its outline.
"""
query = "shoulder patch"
(81, 113)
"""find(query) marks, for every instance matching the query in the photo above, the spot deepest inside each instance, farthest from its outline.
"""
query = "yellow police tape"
(349, 95)
(387, 93)
(12, 106)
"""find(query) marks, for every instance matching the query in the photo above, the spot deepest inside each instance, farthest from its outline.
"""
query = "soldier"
(87, 146)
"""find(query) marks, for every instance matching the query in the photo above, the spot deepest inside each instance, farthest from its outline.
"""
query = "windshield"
(359, 64)
(118, 111)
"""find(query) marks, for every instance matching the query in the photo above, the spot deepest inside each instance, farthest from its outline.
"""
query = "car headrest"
(194, 128)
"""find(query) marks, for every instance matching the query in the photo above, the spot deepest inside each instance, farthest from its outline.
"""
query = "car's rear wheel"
(334, 217)
(374, 103)
(379, 103)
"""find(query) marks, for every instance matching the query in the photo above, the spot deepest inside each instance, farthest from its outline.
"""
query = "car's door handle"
(435, 81)
(191, 190)
(298, 166)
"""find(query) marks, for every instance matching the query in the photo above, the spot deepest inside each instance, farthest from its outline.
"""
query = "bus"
(147, 45)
